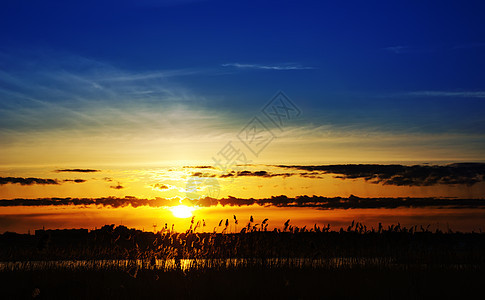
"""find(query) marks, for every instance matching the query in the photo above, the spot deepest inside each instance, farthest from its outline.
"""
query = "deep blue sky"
(359, 45)
(399, 66)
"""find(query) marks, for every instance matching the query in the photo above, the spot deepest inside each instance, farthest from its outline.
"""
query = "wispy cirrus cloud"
(75, 102)
(469, 45)
(164, 3)
(456, 94)
(72, 93)
(151, 75)
(403, 49)
(279, 67)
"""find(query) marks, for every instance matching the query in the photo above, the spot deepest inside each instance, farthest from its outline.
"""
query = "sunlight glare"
(182, 211)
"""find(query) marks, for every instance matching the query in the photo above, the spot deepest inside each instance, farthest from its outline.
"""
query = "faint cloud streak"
(282, 67)
(460, 94)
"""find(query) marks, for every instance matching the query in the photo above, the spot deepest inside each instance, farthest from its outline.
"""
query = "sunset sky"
(143, 99)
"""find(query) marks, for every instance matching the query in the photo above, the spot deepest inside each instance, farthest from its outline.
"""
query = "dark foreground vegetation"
(292, 263)
(244, 283)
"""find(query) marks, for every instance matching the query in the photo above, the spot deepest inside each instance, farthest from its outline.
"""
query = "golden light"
(182, 211)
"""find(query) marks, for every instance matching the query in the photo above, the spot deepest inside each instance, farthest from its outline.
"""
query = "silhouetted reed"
(394, 245)
(294, 262)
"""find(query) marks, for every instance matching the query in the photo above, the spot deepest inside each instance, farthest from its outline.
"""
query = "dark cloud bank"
(243, 173)
(77, 170)
(32, 180)
(117, 187)
(276, 201)
(27, 181)
(400, 175)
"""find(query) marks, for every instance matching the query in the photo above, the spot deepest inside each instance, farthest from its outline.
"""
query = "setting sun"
(182, 211)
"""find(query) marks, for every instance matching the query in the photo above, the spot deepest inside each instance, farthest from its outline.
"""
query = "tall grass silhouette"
(292, 261)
